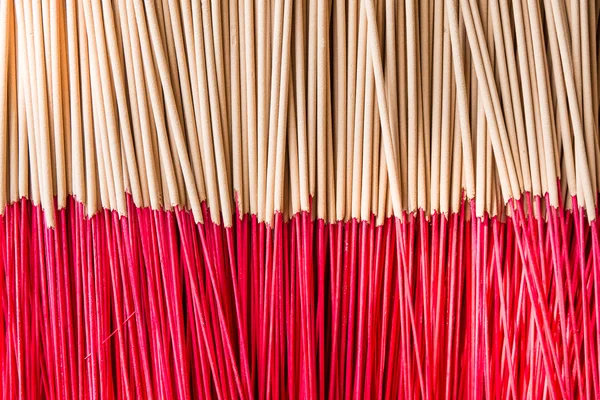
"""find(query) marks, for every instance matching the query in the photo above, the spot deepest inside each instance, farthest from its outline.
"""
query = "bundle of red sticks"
(299, 199)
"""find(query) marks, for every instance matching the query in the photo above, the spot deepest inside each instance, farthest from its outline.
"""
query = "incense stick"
(299, 199)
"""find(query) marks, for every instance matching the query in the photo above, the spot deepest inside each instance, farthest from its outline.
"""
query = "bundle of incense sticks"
(299, 199)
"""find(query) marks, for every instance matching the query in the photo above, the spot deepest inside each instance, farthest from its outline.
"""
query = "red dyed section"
(157, 306)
